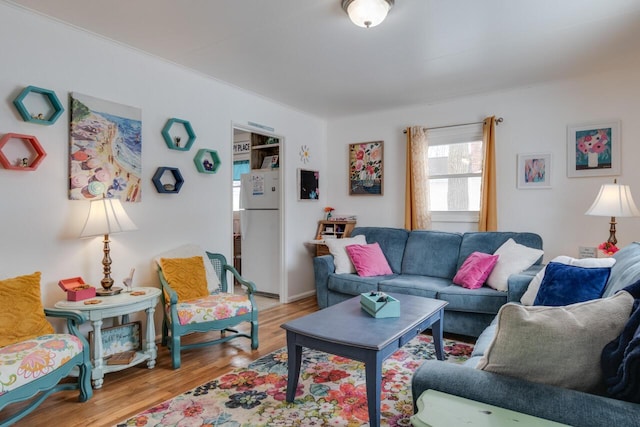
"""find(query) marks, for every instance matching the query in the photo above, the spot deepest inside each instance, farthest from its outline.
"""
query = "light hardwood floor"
(133, 390)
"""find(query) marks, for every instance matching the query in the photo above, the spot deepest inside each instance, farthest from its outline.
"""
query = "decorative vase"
(328, 216)
(592, 160)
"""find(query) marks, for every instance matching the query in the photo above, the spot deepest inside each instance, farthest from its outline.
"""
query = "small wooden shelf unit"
(332, 230)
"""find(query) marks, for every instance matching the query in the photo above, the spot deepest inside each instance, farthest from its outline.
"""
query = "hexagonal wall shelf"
(175, 141)
(40, 118)
(24, 164)
(207, 161)
(167, 188)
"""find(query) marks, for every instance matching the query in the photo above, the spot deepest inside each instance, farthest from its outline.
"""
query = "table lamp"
(106, 216)
(613, 200)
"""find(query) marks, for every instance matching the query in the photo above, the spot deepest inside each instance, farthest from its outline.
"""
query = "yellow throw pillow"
(21, 311)
(186, 276)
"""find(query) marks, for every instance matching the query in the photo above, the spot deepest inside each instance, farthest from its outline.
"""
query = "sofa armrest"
(517, 284)
(323, 266)
(553, 403)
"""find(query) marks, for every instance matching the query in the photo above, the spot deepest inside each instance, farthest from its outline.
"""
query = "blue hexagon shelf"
(207, 161)
(51, 98)
(174, 142)
(167, 188)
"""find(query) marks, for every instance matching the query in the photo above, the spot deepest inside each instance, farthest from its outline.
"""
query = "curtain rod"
(498, 121)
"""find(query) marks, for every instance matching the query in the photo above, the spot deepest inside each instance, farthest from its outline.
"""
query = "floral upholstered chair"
(196, 299)
(33, 359)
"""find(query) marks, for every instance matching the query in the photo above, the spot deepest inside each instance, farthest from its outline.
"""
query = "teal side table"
(437, 409)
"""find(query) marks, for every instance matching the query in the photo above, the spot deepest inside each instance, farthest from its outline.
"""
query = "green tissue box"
(388, 308)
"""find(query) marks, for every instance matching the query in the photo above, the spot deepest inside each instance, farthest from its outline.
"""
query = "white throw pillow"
(340, 257)
(559, 346)
(532, 291)
(514, 258)
(188, 251)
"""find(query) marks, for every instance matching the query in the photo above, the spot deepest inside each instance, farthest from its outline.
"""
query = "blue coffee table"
(346, 330)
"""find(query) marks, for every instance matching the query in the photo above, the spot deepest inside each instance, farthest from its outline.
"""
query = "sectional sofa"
(424, 263)
(564, 405)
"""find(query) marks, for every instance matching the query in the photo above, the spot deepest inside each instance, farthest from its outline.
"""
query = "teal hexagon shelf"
(167, 187)
(207, 161)
(175, 142)
(39, 118)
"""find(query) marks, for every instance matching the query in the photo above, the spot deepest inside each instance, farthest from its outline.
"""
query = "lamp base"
(108, 292)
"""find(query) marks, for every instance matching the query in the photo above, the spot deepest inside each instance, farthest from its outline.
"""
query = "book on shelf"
(342, 217)
(123, 358)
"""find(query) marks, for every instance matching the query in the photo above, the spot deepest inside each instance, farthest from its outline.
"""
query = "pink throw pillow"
(368, 260)
(475, 270)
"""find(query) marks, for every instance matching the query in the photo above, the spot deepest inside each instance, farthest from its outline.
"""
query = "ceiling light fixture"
(367, 13)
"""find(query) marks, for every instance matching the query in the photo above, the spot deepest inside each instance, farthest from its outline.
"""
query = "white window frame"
(448, 136)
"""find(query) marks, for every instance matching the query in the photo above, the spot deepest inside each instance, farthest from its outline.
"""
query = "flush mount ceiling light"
(367, 13)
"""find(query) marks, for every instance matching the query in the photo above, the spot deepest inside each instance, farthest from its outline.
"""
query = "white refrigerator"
(260, 229)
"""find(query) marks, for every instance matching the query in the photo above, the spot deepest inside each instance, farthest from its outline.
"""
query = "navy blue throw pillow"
(568, 284)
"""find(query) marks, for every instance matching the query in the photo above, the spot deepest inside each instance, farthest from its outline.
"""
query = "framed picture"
(534, 171)
(366, 168)
(118, 339)
(308, 184)
(593, 149)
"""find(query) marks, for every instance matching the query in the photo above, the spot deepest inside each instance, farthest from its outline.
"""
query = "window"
(455, 172)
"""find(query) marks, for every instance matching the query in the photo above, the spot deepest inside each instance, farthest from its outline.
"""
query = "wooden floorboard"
(127, 392)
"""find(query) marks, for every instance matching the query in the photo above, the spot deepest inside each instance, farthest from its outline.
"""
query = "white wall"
(39, 225)
(535, 121)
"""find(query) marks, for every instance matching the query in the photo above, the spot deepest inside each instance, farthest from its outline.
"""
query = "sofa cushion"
(392, 241)
(482, 300)
(475, 270)
(368, 260)
(489, 241)
(352, 284)
(409, 284)
(532, 290)
(21, 311)
(432, 253)
(626, 269)
(514, 258)
(556, 345)
(341, 259)
(569, 284)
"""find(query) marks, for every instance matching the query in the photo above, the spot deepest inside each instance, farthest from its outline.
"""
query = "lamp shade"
(614, 200)
(106, 216)
(367, 13)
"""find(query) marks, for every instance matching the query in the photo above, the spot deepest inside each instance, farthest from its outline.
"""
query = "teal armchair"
(24, 375)
(218, 311)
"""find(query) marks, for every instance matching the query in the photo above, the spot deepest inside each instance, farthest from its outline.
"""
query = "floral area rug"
(331, 392)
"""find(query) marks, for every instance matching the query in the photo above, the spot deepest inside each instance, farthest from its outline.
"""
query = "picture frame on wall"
(593, 149)
(366, 168)
(308, 184)
(534, 171)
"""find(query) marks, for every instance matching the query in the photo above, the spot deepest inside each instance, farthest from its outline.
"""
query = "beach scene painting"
(105, 150)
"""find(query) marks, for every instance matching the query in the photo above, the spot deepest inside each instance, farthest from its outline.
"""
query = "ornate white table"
(122, 304)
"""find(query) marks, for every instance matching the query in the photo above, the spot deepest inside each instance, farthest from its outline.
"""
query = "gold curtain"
(417, 215)
(488, 220)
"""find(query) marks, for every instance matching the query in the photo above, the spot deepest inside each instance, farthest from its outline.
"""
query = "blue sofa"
(562, 405)
(424, 264)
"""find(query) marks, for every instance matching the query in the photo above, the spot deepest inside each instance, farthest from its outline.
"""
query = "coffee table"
(346, 330)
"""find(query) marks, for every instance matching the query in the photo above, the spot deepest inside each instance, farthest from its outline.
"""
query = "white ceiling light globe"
(368, 13)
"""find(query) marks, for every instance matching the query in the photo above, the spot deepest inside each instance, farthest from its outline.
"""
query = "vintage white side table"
(122, 304)
(437, 409)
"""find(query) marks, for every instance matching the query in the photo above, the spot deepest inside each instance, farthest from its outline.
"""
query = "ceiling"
(308, 55)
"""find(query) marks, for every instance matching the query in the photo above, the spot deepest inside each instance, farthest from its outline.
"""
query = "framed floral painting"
(593, 149)
(366, 168)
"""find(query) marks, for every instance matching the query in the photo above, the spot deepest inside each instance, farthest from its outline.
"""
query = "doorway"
(257, 212)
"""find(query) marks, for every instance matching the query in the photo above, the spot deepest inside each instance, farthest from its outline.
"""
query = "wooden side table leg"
(150, 347)
(97, 373)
